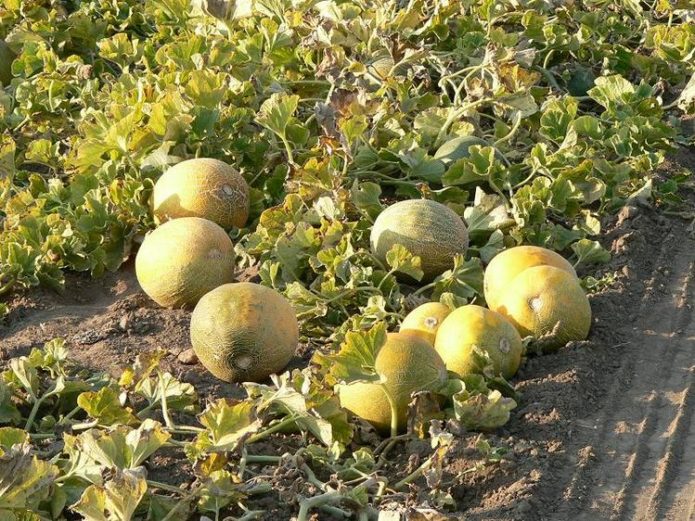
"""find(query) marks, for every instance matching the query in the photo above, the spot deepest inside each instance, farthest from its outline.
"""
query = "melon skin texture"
(505, 266)
(470, 327)
(428, 229)
(458, 148)
(6, 59)
(406, 364)
(205, 188)
(244, 332)
(182, 260)
(425, 320)
(549, 304)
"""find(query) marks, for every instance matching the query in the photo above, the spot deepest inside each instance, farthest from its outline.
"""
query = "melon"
(205, 188)
(505, 266)
(470, 334)
(549, 304)
(6, 59)
(244, 332)
(458, 148)
(406, 364)
(425, 320)
(428, 229)
(183, 259)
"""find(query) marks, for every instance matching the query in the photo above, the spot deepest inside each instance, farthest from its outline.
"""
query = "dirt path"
(643, 439)
(605, 429)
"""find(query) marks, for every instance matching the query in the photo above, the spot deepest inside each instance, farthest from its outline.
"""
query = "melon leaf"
(355, 362)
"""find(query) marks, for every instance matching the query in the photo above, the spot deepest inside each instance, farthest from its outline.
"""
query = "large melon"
(457, 148)
(471, 333)
(6, 59)
(406, 364)
(549, 304)
(428, 229)
(505, 266)
(244, 332)
(205, 188)
(425, 320)
(183, 259)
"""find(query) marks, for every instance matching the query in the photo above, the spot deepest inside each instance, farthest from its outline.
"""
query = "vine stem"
(394, 411)
(306, 505)
(34, 411)
(271, 430)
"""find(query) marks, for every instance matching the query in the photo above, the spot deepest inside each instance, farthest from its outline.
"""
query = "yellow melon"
(244, 332)
(470, 327)
(428, 229)
(406, 364)
(505, 266)
(205, 188)
(183, 259)
(425, 320)
(549, 304)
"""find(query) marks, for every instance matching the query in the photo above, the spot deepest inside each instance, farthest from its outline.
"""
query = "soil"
(605, 428)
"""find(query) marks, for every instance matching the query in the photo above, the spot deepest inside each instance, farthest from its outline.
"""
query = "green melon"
(428, 229)
(244, 332)
(406, 364)
(183, 259)
(6, 59)
(205, 188)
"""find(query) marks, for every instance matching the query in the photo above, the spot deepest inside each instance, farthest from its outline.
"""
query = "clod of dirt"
(188, 357)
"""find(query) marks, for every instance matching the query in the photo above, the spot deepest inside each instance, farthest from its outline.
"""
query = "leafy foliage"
(331, 111)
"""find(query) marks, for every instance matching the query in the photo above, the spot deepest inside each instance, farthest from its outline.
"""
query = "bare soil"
(605, 429)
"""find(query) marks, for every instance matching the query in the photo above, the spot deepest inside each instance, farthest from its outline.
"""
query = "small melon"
(548, 303)
(183, 259)
(425, 320)
(205, 188)
(428, 229)
(406, 364)
(244, 332)
(505, 266)
(470, 327)
(6, 59)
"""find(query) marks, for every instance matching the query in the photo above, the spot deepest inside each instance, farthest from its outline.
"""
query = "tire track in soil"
(643, 465)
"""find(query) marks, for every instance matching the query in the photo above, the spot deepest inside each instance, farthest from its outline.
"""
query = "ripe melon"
(428, 229)
(6, 59)
(425, 320)
(505, 266)
(548, 303)
(458, 148)
(205, 188)
(183, 259)
(406, 364)
(244, 332)
(473, 326)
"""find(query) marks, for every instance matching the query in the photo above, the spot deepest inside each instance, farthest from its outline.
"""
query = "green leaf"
(122, 447)
(105, 407)
(590, 252)
(357, 356)
(300, 397)
(227, 422)
(479, 408)
(464, 280)
(115, 500)
(179, 396)
(25, 480)
(218, 491)
(276, 113)
(402, 261)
